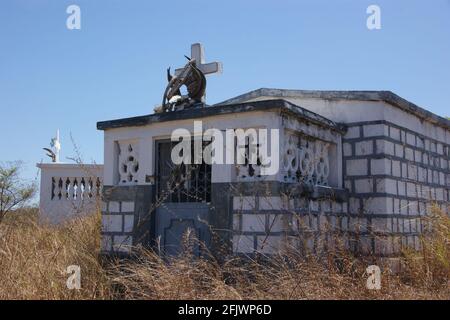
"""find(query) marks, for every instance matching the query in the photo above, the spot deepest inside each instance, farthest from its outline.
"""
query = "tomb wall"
(395, 166)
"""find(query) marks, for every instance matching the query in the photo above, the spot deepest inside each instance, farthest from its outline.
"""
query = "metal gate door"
(183, 194)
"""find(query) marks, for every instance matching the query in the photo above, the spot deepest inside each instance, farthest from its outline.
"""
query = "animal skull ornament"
(195, 82)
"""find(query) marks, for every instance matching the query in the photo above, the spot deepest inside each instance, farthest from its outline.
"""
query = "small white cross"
(198, 53)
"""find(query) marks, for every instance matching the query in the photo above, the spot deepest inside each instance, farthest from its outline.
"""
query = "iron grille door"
(184, 182)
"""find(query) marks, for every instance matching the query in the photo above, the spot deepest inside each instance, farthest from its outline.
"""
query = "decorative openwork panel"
(249, 171)
(78, 188)
(128, 162)
(305, 159)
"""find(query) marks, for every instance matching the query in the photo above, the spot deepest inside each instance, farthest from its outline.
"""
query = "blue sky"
(114, 67)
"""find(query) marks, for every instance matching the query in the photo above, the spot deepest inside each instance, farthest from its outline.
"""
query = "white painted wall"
(71, 203)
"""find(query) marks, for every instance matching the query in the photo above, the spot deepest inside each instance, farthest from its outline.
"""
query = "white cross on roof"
(198, 53)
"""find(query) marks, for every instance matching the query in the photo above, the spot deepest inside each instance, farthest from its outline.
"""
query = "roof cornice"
(385, 96)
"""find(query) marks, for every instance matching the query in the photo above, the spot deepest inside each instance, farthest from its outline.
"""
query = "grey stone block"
(413, 209)
(419, 142)
(354, 205)
(128, 223)
(425, 159)
(106, 243)
(383, 245)
(314, 206)
(243, 244)
(325, 205)
(356, 167)
(127, 206)
(244, 203)
(348, 185)
(439, 194)
(412, 172)
(433, 146)
(237, 222)
(347, 147)
(394, 133)
(411, 189)
(427, 143)
(401, 188)
(380, 166)
(379, 205)
(404, 170)
(409, 154)
(111, 223)
(254, 222)
(385, 147)
(382, 225)
(336, 207)
(422, 174)
(411, 139)
(396, 168)
(114, 206)
(373, 130)
(435, 177)
(364, 185)
(399, 150)
(122, 243)
(358, 225)
(352, 132)
(363, 148)
(444, 164)
(387, 186)
(403, 136)
(279, 223)
(269, 244)
(417, 156)
(429, 176)
(396, 206)
(442, 178)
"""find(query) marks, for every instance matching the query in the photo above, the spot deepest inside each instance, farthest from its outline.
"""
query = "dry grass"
(34, 258)
(430, 268)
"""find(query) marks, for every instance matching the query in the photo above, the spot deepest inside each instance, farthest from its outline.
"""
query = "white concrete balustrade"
(68, 190)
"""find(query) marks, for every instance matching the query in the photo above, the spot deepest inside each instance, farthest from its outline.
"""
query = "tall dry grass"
(34, 258)
(430, 267)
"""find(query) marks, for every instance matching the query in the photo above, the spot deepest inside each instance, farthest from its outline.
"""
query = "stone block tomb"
(364, 166)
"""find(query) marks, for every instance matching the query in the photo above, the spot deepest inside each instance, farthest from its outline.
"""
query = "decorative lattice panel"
(305, 159)
(250, 169)
(128, 163)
